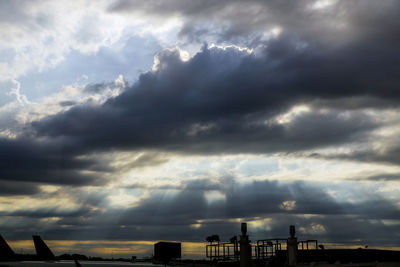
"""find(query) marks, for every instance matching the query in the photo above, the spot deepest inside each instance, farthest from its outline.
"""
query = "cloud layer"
(300, 81)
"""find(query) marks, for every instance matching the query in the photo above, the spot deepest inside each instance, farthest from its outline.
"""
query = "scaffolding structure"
(271, 250)
(267, 248)
(223, 251)
(308, 244)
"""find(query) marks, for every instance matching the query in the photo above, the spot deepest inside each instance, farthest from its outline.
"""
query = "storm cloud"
(267, 112)
(26, 160)
(226, 100)
(222, 100)
(187, 215)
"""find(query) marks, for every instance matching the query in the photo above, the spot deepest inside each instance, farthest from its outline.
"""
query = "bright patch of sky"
(129, 57)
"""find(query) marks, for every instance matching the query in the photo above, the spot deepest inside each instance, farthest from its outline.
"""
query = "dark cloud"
(379, 177)
(385, 155)
(18, 188)
(221, 101)
(45, 212)
(170, 217)
(205, 184)
(337, 61)
(225, 100)
(26, 163)
(339, 23)
(26, 160)
(188, 215)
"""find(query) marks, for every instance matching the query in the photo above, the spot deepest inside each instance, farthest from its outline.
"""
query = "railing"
(222, 251)
(267, 248)
(308, 244)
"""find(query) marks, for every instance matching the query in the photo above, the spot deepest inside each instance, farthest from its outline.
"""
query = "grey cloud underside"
(45, 213)
(238, 21)
(389, 155)
(380, 177)
(169, 217)
(225, 101)
(18, 188)
(220, 101)
(25, 164)
(257, 199)
(25, 161)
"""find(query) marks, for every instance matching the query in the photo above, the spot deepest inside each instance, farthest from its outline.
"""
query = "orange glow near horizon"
(114, 248)
(106, 248)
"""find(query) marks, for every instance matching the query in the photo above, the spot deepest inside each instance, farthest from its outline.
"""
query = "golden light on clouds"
(105, 248)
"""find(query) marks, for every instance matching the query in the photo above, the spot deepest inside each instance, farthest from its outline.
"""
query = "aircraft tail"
(77, 264)
(6, 253)
(42, 250)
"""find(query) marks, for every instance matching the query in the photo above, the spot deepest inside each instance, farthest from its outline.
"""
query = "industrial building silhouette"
(291, 252)
(270, 252)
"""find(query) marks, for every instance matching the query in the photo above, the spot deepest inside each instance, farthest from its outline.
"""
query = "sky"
(127, 122)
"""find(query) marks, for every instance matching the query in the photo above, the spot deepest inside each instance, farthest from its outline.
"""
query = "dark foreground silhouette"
(43, 253)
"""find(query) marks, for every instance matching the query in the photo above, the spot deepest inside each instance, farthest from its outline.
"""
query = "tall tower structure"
(245, 247)
(292, 246)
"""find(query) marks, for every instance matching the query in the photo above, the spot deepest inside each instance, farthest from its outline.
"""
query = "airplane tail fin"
(77, 264)
(6, 253)
(42, 250)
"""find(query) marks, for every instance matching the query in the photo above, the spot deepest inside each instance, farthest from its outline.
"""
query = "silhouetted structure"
(6, 253)
(292, 247)
(245, 247)
(212, 238)
(166, 251)
(278, 252)
(222, 251)
(77, 264)
(42, 250)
